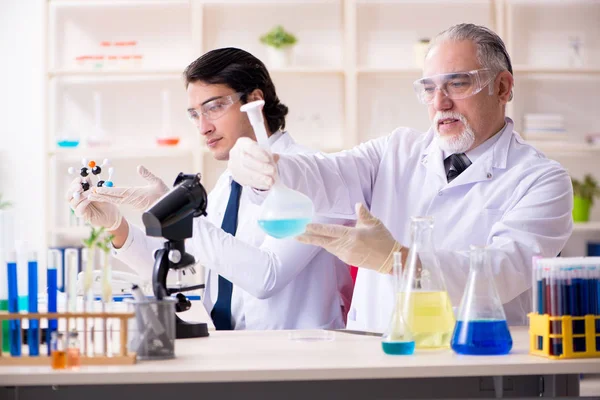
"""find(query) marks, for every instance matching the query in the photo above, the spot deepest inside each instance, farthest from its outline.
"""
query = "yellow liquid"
(430, 318)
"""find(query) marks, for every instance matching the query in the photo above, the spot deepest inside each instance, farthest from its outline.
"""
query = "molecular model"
(96, 170)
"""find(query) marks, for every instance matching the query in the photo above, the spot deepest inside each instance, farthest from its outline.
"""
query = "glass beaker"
(285, 212)
(481, 328)
(398, 338)
(425, 303)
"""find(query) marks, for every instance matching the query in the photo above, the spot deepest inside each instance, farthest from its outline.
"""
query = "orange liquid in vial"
(59, 359)
(73, 358)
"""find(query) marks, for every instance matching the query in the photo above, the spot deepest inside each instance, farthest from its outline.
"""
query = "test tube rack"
(123, 357)
(547, 334)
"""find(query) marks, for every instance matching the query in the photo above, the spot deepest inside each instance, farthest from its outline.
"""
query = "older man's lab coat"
(512, 199)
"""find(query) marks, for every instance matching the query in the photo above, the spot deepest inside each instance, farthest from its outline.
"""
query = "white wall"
(21, 114)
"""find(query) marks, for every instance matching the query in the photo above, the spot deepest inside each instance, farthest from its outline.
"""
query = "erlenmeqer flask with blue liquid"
(285, 212)
(481, 327)
(398, 339)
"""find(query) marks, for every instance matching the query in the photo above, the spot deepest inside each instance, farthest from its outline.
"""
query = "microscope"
(171, 217)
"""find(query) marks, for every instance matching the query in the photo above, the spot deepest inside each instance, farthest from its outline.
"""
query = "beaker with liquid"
(398, 339)
(285, 212)
(481, 328)
(424, 300)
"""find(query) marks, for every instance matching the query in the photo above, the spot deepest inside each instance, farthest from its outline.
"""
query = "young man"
(252, 282)
(482, 183)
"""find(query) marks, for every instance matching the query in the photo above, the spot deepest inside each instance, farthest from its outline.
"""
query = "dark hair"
(242, 72)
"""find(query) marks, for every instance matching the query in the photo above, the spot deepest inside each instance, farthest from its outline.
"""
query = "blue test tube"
(555, 343)
(14, 326)
(52, 279)
(33, 333)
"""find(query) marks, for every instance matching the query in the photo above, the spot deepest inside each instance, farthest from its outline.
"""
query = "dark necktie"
(221, 312)
(458, 165)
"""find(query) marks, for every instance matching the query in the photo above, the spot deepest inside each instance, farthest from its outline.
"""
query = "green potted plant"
(584, 193)
(4, 204)
(280, 45)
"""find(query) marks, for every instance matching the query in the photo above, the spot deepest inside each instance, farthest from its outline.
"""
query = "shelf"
(306, 70)
(524, 69)
(121, 153)
(390, 70)
(430, 2)
(267, 2)
(130, 75)
(593, 226)
(71, 231)
(117, 3)
(566, 148)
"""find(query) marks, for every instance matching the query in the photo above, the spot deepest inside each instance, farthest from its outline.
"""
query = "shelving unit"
(351, 80)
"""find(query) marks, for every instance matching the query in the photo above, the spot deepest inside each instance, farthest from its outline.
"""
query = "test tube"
(54, 260)
(71, 267)
(14, 325)
(33, 333)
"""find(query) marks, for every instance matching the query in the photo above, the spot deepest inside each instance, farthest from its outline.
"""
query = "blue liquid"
(282, 228)
(68, 143)
(14, 326)
(484, 337)
(52, 323)
(33, 333)
(398, 348)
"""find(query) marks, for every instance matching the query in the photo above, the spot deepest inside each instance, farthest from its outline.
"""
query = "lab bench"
(269, 365)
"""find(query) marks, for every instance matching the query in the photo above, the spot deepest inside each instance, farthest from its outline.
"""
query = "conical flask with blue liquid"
(398, 339)
(285, 212)
(481, 327)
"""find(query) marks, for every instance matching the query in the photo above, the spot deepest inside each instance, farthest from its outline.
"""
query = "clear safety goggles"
(454, 85)
(214, 109)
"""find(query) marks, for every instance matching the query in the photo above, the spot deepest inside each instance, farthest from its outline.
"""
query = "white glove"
(94, 213)
(251, 165)
(369, 244)
(141, 197)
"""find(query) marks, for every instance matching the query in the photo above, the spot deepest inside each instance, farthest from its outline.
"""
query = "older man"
(480, 181)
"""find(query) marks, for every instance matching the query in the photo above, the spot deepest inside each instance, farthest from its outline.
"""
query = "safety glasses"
(214, 109)
(454, 85)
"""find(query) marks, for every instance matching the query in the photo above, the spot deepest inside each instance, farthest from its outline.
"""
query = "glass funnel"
(425, 303)
(285, 212)
(398, 338)
(481, 328)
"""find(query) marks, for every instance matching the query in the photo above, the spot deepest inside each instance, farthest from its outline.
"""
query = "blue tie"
(221, 312)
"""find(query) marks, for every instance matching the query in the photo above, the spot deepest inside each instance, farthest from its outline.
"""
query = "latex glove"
(141, 197)
(95, 213)
(368, 245)
(251, 165)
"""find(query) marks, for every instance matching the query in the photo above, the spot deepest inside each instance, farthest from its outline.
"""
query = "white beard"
(456, 143)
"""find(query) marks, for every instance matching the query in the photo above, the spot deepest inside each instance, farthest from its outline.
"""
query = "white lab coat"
(512, 199)
(277, 284)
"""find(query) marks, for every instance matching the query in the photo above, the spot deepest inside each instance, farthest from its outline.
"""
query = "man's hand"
(140, 198)
(368, 245)
(251, 165)
(95, 213)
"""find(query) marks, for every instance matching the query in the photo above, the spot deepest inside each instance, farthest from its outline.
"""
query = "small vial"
(58, 354)
(73, 351)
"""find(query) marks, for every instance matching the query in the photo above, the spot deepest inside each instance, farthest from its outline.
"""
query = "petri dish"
(311, 335)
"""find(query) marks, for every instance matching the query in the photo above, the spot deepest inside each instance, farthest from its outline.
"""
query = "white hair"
(491, 51)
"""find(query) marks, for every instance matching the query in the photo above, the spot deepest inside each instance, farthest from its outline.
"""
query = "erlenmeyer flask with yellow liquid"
(425, 303)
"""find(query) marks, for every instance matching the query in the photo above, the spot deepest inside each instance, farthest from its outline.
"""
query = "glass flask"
(57, 351)
(398, 338)
(481, 328)
(425, 303)
(73, 351)
(285, 212)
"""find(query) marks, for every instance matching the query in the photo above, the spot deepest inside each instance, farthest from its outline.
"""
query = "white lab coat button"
(489, 175)
(440, 193)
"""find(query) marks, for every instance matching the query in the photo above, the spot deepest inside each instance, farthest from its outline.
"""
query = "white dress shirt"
(512, 199)
(277, 284)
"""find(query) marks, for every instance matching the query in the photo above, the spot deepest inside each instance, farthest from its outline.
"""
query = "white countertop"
(271, 356)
